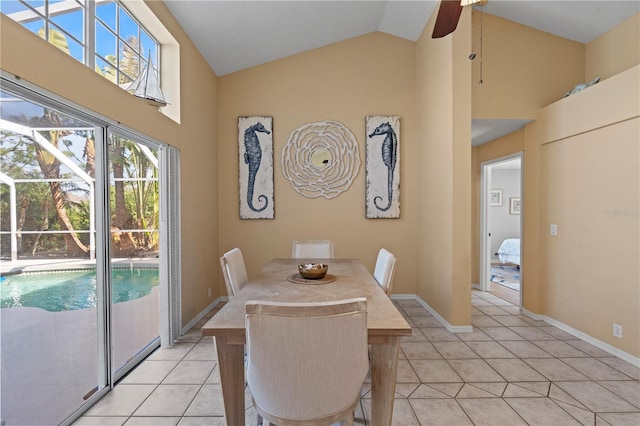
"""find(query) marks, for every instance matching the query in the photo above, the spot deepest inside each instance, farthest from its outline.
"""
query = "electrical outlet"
(617, 330)
(209, 292)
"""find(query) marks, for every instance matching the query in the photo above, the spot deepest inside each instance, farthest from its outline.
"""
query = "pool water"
(67, 291)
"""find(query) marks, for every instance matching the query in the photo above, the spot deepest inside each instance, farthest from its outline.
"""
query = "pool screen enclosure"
(79, 193)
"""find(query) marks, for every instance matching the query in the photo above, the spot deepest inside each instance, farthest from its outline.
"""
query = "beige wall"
(523, 69)
(581, 162)
(615, 51)
(369, 75)
(605, 56)
(532, 202)
(427, 84)
(591, 187)
(444, 158)
(36, 61)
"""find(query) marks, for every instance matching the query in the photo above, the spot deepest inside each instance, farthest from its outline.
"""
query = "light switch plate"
(553, 229)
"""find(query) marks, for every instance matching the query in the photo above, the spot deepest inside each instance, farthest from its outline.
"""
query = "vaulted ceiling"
(233, 35)
(238, 34)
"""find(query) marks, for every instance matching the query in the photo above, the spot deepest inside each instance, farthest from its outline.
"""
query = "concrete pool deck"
(50, 359)
(8, 267)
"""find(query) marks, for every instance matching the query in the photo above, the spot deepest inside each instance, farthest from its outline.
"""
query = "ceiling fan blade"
(447, 19)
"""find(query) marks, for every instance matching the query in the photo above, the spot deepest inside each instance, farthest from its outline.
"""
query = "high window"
(102, 34)
(122, 44)
(62, 23)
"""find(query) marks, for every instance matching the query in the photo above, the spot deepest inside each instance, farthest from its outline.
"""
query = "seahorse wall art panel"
(255, 149)
(383, 167)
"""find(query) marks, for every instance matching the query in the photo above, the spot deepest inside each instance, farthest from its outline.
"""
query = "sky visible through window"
(114, 27)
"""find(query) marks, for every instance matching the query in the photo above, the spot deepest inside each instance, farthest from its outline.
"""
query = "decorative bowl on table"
(313, 271)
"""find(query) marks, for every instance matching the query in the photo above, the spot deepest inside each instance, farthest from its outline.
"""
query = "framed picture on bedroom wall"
(496, 197)
(514, 205)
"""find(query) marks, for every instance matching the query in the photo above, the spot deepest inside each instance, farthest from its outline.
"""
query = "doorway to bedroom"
(501, 226)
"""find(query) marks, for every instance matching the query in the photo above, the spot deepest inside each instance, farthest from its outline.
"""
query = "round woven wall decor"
(321, 159)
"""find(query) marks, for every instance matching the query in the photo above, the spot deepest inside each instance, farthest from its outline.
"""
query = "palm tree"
(122, 216)
(50, 167)
(145, 193)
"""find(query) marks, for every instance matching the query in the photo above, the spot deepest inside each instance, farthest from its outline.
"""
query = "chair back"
(306, 362)
(385, 270)
(234, 271)
(314, 249)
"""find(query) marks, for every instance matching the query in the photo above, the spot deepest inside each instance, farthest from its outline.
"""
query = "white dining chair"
(385, 270)
(306, 362)
(234, 271)
(312, 249)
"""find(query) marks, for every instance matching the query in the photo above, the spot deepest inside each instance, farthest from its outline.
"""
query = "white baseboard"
(635, 361)
(436, 315)
(201, 315)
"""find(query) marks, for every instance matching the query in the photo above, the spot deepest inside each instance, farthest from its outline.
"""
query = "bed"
(509, 251)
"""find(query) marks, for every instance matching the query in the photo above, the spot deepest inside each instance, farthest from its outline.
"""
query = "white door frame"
(485, 216)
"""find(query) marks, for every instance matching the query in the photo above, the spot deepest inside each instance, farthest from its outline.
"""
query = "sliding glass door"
(52, 340)
(135, 247)
(84, 267)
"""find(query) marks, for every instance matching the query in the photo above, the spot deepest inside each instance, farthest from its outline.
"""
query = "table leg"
(231, 366)
(384, 368)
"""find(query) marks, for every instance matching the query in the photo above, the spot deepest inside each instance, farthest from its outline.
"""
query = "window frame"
(47, 12)
(116, 32)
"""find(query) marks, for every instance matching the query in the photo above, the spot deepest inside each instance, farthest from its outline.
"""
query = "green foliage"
(23, 159)
(79, 215)
(18, 155)
(141, 191)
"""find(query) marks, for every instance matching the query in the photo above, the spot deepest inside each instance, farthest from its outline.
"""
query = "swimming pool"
(70, 290)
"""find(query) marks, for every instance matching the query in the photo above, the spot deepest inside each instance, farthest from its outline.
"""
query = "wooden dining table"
(274, 282)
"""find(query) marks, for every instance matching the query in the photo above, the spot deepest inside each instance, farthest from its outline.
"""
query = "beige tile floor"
(511, 370)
